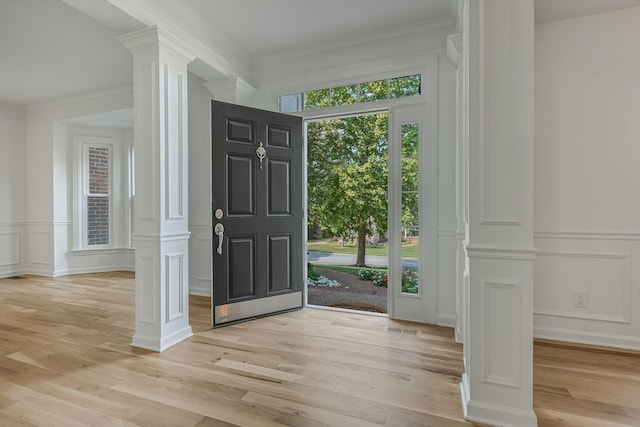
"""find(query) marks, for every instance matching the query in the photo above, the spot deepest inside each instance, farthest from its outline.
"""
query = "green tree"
(410, 195)
(347, 174)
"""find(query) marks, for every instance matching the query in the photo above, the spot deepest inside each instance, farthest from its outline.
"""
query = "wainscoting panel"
(605, 277)
(175, 286)
(40, 245)
(9, 248)
(502, 309)
(604, 268)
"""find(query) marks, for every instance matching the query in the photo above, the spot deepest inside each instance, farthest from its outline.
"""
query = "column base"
(492, 414)
(159, 344)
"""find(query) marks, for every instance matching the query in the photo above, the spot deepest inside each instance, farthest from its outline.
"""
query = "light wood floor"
(65, 360)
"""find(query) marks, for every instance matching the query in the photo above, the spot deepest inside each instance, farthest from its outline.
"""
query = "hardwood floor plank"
(66, 360)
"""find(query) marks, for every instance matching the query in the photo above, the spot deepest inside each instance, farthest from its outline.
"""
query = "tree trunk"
(362, 241)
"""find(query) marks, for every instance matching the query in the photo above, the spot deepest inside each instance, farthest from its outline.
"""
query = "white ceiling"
(50, 49)
(270, 27)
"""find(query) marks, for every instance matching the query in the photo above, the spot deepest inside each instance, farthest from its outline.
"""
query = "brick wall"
(98, 200)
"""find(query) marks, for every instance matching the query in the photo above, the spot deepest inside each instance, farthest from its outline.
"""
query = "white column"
(454, 54)
(161, 197)
(497, 386)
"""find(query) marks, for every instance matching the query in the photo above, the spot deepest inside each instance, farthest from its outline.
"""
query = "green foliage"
(410, 176)
(398, 87)
(404, 86)
(373, 91)
(347, 174)
(410, 283)
(344, 95)
(378, 277)
(311, 273)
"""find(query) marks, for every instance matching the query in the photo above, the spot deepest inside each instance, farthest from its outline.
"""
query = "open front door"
(257, 212)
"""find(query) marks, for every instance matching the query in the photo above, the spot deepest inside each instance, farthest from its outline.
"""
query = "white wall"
(199, 187)
(587, 152)
(12, 191)
(48, 179)
(447, 221)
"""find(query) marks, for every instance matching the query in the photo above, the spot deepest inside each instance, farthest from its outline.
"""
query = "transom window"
(396, 87)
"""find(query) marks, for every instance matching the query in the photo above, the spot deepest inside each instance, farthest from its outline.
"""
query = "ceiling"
(50, 49)
(557, 10)
(264, 28)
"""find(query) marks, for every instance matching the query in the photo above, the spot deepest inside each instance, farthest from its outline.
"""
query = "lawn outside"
(409, 248)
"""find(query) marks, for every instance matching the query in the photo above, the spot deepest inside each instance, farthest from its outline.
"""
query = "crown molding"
(155, 37)
(439, 27)
(454, 48)
(125, 91)
(207, 43)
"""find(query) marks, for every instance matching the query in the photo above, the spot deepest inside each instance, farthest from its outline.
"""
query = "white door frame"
(423, 306)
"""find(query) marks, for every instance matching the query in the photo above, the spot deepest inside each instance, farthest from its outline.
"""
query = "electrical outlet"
(580, 299)
(101, 260)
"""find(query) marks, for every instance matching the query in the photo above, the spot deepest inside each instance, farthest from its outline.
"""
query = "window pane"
(98, 198)
(97, 220)
(291, 103)
(344, 95)
(98, 170)
(404, 86)
(316, 99)
(410, 208)
(373, 91)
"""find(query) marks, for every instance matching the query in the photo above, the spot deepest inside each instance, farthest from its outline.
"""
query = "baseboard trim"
(88, 270)
(158, 343)
(626, 342)
(446, 321)
(12, 273)
(200, 292)
(491, 413)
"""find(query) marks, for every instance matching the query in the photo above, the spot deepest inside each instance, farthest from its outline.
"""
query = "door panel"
(257, 183)
(241, 260)
(279, 187)
(278, 136)
(240, 131)
(279, 263)
(241, 191)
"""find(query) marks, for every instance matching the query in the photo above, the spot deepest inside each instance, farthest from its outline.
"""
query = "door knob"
(219, 230)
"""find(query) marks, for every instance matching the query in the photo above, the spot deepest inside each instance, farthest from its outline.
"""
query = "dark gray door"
(257, 206)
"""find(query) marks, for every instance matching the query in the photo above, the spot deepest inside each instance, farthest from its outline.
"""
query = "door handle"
(219, 230)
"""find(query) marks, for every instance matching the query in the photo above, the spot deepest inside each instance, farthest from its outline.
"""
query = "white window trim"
(81, 143)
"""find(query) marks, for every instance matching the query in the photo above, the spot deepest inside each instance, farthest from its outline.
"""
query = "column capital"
(454, 48)
(155, 38)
